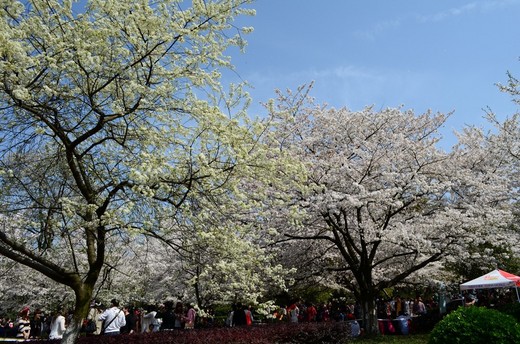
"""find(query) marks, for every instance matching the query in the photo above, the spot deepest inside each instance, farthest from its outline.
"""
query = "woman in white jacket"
(57, 325)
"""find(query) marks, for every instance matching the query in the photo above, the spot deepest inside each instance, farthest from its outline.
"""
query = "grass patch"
(409, 339)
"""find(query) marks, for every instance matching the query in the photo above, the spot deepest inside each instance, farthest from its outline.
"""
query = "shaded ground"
(410, 339)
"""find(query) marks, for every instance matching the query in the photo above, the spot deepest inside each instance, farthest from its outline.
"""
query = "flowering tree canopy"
(112, 122)
(380, 192)
(499, 149)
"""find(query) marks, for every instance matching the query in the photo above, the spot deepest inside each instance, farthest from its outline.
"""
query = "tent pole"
(517, 297)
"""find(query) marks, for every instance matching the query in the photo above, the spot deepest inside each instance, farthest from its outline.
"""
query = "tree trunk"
(72, 333)
(368, 306)
(196, 286)
(83, 297)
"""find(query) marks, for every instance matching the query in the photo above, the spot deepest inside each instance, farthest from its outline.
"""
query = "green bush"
(471, 325)
(512, 309)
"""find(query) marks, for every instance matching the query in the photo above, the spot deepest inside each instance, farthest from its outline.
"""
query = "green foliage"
(476, 325)
(316, 294)
(512, 309)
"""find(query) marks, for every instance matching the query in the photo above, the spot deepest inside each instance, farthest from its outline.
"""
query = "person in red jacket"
(249, 316)
(311, 313)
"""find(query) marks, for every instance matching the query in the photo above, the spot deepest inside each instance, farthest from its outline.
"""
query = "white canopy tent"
(494, 279)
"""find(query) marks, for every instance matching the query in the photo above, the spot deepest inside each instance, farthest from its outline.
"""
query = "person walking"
(179, 314)
(57, 325)
(167, 314)
(294, 313)
(130, 319)
(148, 319)
(113, 319)
(24, 324)
(189, 320)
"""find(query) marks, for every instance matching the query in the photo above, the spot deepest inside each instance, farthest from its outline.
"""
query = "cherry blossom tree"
(224, 264)
(22, 287)
(382, 194)
(501, 145)
(112, 123)
(489, 153)
(211, 265)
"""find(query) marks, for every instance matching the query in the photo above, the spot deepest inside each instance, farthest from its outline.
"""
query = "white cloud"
(345, 72)
(452, 12)
(377, 29)
(478, 6)
(484, 6)
(351, 86)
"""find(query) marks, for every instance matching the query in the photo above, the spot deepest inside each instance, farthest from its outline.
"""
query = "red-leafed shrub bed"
(333, 332)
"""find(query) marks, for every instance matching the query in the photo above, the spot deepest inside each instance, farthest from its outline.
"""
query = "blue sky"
(443, 55)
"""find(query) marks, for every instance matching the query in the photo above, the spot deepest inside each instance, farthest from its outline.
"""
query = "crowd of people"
(301, 311)
(395, 307)
(101, 320)
(31, 325)
(170, 316)
(114, 319)
(127, 320)
(307, 312)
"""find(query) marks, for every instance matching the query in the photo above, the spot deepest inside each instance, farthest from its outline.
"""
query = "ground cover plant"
(281, 333)
(333, 332)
